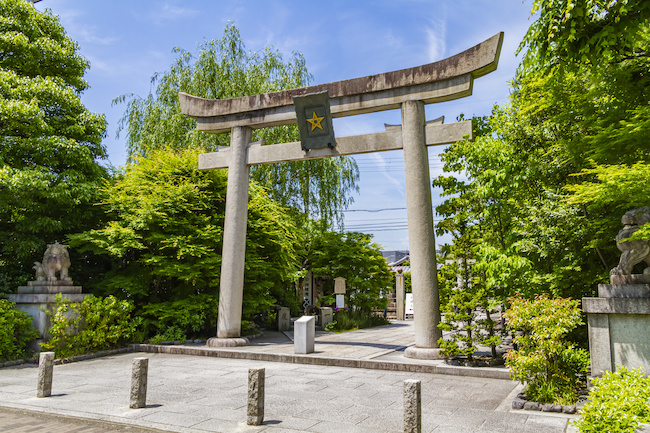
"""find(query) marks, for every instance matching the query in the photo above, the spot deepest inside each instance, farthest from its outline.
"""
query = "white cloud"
(78, 29)
(171, 12)
(436, 37)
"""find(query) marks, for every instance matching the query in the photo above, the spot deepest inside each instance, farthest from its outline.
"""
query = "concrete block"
(45, 370)
(304, 332)
(139, 383)
(412, 406)
(256, 380)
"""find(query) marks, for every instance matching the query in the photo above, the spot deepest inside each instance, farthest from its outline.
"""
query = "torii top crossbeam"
(440, 81)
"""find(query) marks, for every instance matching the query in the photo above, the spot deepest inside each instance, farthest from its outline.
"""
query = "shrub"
(550, 366)
(192, 316)
(15, 331)
(172, 333)
(618, 403)
(92, 325)
(347, 320)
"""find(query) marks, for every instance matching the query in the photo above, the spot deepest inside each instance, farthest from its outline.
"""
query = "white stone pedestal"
(304, 332)
(619, 324)
(38, 297)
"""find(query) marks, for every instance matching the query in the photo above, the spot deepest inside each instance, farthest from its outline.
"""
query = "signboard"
(340, 302)
(339, 286)
(409, 304)
(314, 120)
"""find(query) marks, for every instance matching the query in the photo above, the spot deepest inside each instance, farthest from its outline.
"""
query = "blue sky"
(128, 41)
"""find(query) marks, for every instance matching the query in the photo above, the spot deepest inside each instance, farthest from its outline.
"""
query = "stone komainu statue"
(633, 251)
(55, 260)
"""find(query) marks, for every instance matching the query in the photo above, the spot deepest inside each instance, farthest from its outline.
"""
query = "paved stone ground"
(203, 394)
(27, 421)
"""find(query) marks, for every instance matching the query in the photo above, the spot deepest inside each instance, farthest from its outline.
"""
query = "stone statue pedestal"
(619, 324)
(38, 297)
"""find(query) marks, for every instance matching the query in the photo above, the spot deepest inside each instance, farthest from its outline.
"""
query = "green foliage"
(195, 316)
(164, 234)
(223, 69)
(350, 320)
(249, 328)
(586, 31)
(462, 309)
(561, 130)
(171, 333)
(16, 331)
(93, 325)
(353, 256)
(618, 187)
(618, 403)
(550, 366)
(49, 142)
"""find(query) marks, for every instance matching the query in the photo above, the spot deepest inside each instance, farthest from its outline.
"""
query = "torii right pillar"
(422, 244)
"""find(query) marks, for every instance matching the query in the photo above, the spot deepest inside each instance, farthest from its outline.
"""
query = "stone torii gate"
(408, 89)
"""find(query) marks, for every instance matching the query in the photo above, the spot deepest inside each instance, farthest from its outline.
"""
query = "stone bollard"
(255, 415)
(304, 332)
(45, 368)
(139, 383)
(412, 407)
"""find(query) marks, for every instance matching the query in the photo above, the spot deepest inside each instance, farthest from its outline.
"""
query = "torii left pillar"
(234, 250)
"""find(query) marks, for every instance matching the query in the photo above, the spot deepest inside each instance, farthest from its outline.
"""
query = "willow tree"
(49, 142)
(222, 69)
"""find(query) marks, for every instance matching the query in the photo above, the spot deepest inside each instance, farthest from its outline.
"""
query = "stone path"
(202, 394)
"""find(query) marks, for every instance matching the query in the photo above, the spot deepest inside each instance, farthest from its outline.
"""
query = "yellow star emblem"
(315, 121)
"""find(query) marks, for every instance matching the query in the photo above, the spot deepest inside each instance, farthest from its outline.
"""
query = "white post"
(304, 332)
(424, 279)
(231, 288)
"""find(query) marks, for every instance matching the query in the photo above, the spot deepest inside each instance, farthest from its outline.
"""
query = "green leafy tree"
(222, 69)
(49, 142)
(164, 234)
(469, 298)
(356, 258)
(586, 32)
(568, 121)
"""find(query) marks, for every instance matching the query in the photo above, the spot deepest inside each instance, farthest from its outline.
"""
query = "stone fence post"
(412, 406)
(256, 379)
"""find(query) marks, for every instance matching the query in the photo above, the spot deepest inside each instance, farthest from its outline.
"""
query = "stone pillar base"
(619, 320)
(227, 342)
(423, 353)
